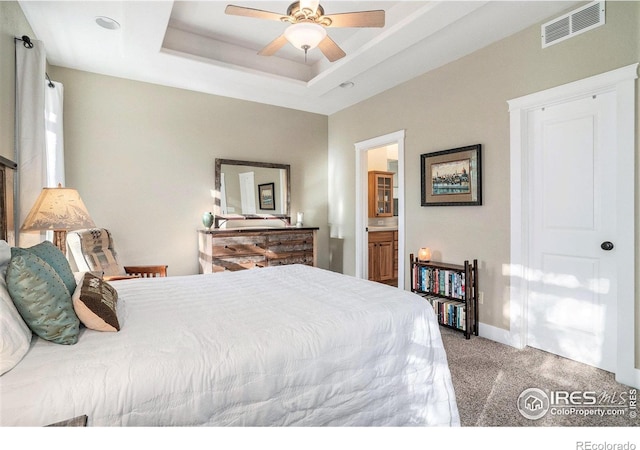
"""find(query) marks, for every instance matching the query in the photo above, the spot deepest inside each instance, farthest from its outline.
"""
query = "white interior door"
(573, 287)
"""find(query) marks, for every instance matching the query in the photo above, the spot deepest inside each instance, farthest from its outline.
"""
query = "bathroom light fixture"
(305, 35)
(107, 22)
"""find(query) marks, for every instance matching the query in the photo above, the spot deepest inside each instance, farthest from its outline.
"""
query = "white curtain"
(54, 133)
(39, 134)
(30, 133)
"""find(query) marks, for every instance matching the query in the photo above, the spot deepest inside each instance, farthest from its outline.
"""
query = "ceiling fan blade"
(330, 49)
(363, 19)
(250, 12)
(275, 45)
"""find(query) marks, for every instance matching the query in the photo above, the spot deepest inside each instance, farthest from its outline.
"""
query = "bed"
(280, 346)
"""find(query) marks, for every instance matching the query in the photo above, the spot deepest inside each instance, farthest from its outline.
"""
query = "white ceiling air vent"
(578, 21)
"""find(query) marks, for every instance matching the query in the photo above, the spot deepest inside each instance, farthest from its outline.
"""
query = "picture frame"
(266, 197)
(452, 177)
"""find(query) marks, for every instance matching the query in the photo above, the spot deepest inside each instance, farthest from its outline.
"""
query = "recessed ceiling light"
(107, 22)
(347, 85)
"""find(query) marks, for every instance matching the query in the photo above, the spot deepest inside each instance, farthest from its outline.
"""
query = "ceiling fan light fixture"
(305, 35)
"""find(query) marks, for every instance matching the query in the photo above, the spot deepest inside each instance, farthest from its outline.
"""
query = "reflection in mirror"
(251, 190)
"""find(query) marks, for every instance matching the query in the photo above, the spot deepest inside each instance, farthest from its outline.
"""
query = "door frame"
(622, 82)
(362, 195)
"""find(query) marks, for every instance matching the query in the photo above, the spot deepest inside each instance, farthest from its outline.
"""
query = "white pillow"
(15, 335)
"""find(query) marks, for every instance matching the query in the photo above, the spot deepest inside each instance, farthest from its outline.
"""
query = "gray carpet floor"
(488, 377)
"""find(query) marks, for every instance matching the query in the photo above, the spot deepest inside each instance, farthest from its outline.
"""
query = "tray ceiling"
(194, 45)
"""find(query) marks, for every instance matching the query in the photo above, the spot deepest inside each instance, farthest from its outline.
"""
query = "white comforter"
(290, 345)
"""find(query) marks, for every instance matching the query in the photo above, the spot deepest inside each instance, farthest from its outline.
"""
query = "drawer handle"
(230, 248)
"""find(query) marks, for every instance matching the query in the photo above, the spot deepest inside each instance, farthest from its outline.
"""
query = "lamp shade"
(305, 35)
(58, 209)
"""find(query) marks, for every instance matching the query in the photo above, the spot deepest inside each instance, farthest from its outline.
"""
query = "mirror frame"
(221, 218)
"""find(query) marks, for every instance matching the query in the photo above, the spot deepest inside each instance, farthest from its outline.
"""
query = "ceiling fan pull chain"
(306, 49)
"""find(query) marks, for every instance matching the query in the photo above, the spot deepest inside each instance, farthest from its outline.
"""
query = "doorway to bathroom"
(380, 209)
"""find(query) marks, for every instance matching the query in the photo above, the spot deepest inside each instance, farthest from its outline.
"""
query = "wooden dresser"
(250, 248)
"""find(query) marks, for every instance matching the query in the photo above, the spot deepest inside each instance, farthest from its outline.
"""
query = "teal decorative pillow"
(55, 258)
(42, 299)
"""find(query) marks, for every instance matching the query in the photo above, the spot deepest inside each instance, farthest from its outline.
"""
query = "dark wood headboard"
(7, 177)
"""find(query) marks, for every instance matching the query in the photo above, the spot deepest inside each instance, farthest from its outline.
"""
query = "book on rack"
(431, 280)
(449, 312)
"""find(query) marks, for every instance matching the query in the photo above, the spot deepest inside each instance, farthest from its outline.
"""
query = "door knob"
(606, 245)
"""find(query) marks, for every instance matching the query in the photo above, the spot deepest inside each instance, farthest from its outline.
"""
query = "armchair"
(93, 251)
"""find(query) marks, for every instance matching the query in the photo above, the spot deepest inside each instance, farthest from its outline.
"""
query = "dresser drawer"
(281, 245)
(238, 263)
(290, 238)
(292, 258)
(238, 245)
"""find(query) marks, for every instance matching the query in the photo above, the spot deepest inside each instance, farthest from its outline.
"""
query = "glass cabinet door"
(381, 194)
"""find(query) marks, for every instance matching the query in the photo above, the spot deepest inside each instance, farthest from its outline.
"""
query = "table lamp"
(59, 210)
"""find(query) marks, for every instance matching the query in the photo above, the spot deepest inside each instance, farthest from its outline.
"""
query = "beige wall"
(12, 24)
(463, 103)
(142, 157)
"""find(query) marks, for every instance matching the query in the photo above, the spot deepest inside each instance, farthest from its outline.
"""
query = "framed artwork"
(451, 177)
(265, 194)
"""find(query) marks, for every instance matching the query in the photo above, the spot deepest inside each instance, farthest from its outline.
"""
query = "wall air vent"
(576, 22)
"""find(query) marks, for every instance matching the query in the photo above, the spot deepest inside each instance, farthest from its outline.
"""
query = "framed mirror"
(251, 190)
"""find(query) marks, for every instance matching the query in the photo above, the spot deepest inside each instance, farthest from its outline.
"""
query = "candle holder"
(424, 254)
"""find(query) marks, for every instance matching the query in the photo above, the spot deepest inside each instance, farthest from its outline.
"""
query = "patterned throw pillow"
(55, 258)
(42, 299)
(94, 302)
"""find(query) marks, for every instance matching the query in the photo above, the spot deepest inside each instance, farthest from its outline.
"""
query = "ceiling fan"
(308, 23)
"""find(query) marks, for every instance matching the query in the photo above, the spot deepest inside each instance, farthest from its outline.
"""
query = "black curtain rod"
(26, 41)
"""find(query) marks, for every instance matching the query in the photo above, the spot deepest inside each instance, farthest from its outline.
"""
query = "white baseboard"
(497, 334)
(630, 377)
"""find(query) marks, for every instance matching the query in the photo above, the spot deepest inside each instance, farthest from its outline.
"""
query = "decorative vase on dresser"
(239, 249)
(207, 220)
